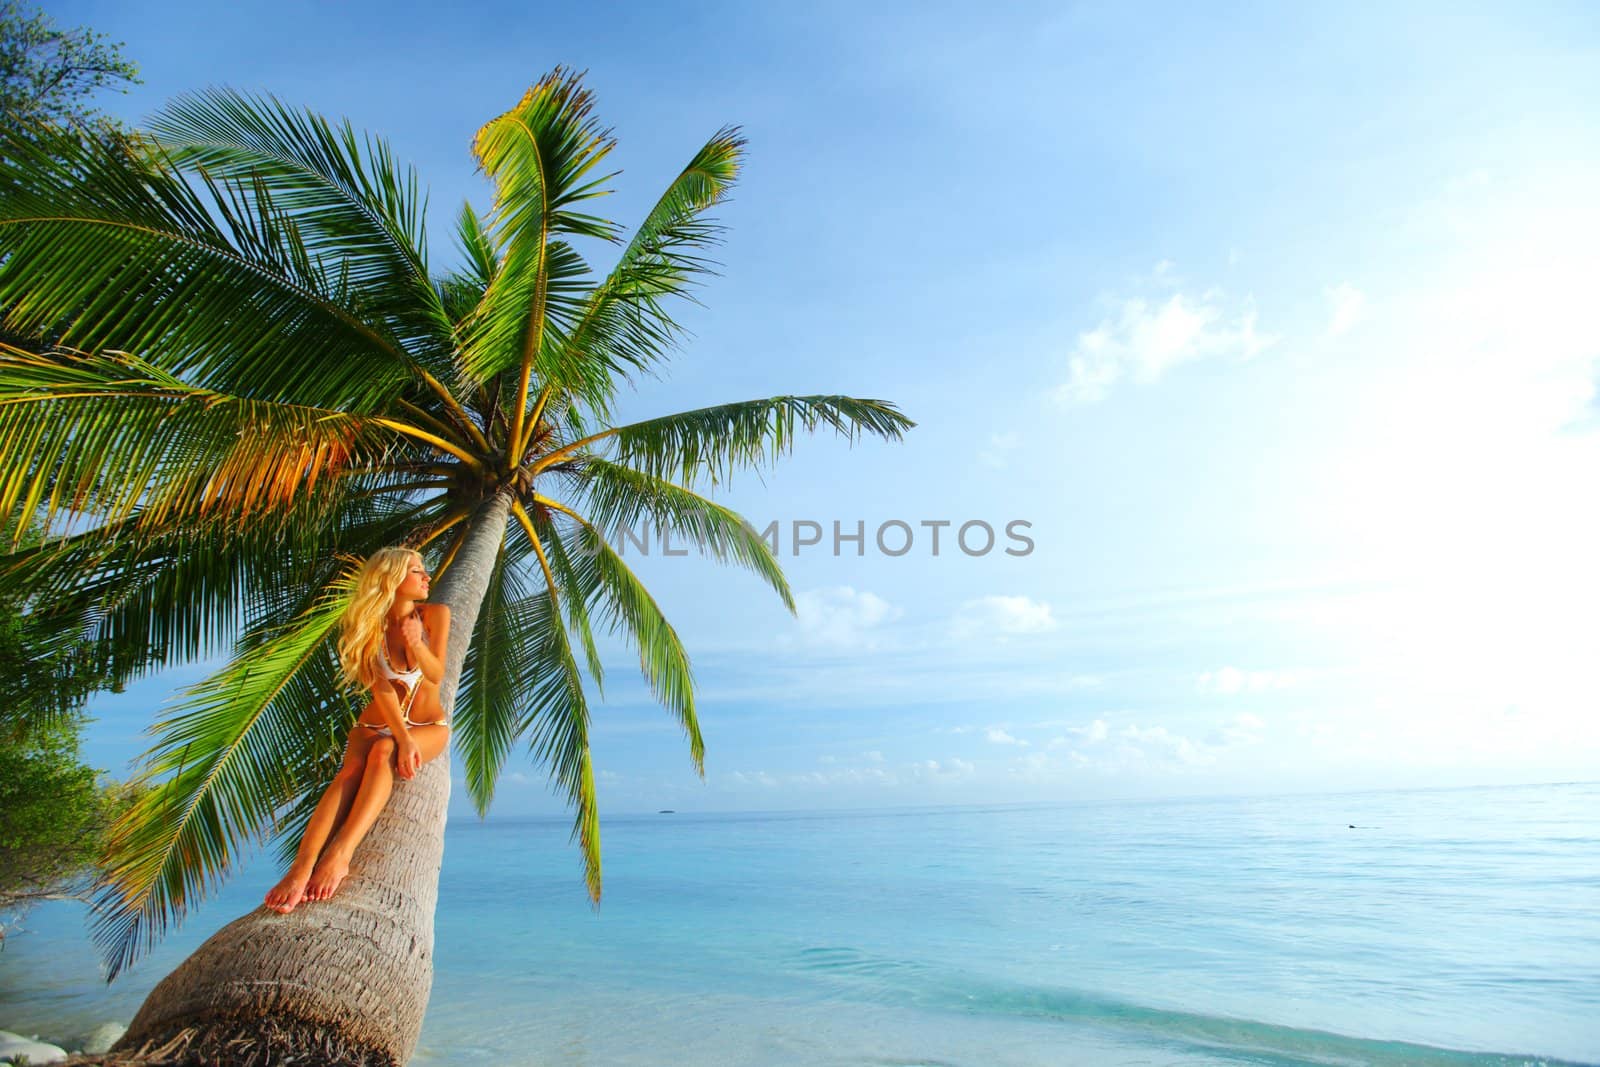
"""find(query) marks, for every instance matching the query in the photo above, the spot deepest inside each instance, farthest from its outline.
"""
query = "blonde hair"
(361, 627)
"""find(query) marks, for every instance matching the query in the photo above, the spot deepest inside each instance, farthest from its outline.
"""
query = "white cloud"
(935, 770)
(846, 776)
(1095, 731)
(1313, 727)
(1234, 680)
(1000, 737)
(1002, 616)
(1031, 765)
(1347, 304)
(1141, 750)
(878, 774)
(842, 617)
(1242, 729)
(998, 454)
(1160, 741)
(761, 778)
(1142, 340)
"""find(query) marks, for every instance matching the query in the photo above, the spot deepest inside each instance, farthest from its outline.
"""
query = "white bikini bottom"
(384, 731)
(405, 713)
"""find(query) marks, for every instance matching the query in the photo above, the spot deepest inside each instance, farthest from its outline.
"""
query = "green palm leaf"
(625, 604)
(348, 199)
(616, 498)
(461, 290)
(557, 725)
(146, 598)
(716, 441)
(621, 324)
(106, 244)
(578, 581)
(183, 451)
(538, 155)
(494, 685)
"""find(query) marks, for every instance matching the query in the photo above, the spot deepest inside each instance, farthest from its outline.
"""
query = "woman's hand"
(411, 631)
(407, 757)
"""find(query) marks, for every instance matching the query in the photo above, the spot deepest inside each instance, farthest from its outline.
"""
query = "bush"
(54, 812)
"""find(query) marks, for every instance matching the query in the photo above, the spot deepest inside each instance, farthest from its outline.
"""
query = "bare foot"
(330, 871)
(283, 897)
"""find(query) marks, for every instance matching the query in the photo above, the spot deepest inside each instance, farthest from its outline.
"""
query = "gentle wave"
(1264, 1043)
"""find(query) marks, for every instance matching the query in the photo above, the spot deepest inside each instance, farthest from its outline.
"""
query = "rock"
(14, 1046)
(102, 1037)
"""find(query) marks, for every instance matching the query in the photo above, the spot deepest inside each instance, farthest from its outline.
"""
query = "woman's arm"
(429, 655)
(388, 702)
(407, 758)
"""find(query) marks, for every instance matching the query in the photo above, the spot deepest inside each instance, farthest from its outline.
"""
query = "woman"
(396, 647)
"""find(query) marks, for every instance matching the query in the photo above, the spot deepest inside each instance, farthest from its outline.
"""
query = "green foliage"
(46, 673)
(54, 812)
(47, 668)
(46, 73)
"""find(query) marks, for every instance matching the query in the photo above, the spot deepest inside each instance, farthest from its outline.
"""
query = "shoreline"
(44, 1048)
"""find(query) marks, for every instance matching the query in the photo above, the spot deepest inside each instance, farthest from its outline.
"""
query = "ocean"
(1454, 927)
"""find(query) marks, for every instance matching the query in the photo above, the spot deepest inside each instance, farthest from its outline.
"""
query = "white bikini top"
(410, 677)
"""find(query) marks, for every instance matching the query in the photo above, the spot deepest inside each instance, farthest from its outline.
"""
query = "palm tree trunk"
(345, 981)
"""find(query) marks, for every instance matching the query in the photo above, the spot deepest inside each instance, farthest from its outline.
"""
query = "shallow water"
(1452, 927)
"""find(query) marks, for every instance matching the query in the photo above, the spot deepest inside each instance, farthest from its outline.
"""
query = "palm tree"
(251, 338)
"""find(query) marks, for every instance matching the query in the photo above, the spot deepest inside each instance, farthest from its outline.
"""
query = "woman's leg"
(333, 806)
(376, 785)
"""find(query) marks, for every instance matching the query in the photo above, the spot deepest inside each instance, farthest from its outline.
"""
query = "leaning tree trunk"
(343, 981)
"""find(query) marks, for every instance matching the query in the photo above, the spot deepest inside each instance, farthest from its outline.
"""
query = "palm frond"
(615, 498)
(716, 441)
(477, 244)
(346, 195)
(625, 604)
(146, 597)
(622, 322)
(557, 725)
(461, 291)
(106, 245)
(538, 154)
(182, 451)
(495, 683)
(577, 580)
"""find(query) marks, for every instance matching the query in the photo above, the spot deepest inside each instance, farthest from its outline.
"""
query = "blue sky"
(1274, 322)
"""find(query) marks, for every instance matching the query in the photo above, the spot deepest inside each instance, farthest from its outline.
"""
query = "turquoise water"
(1449, 927)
